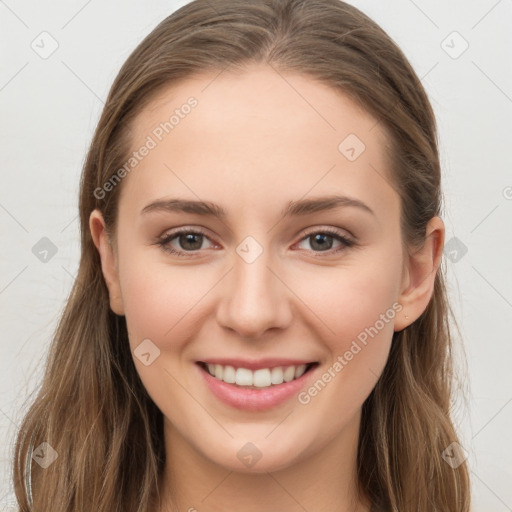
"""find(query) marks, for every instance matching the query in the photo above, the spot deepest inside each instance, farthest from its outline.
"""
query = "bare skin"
(251, 145)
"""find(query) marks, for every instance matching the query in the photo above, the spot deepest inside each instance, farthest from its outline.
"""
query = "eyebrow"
(293, 208)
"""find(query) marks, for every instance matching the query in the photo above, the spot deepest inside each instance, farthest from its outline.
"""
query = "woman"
(259, 320)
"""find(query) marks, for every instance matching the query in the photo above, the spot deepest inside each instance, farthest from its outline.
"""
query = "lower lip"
(251, 399)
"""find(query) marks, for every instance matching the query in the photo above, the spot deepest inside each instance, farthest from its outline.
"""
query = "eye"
(323, 241)
(188, 241)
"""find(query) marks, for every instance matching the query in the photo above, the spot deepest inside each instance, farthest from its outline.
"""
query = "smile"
(260, 378)
(267, 384)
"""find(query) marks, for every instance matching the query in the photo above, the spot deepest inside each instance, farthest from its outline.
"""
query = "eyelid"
(302, 234)
(183, 230)
(326, 229)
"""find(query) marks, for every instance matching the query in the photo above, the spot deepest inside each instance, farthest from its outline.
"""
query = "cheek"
(356, 312)
(161, 300)
(162, 304)
(350, 301)
(360, 309)
(358, 351)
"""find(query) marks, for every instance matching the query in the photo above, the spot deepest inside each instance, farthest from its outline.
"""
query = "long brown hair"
(92, 408)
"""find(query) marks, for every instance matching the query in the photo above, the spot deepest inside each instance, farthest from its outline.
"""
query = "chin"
(256, 457)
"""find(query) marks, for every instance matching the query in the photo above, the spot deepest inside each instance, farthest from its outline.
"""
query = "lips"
(256, 385)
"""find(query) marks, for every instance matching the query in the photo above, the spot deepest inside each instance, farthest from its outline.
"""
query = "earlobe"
(419, 275)
(108, 260)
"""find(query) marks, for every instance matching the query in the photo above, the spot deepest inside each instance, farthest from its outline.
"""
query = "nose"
(254, 298)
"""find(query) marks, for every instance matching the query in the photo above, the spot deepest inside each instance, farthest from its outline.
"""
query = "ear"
(108, 260)
(420, 269)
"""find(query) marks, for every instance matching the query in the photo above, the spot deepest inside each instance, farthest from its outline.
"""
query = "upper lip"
(256, 364)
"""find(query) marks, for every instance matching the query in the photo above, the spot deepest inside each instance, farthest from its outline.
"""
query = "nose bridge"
(255, 299)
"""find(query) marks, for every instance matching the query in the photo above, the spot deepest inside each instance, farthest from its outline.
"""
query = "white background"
(49, 109)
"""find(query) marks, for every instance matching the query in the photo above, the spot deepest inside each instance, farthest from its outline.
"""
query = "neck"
(325, 481)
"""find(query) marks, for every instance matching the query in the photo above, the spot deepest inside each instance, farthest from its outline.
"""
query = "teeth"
(243, 377)
(276, 377)
(261, 378)
(299, 371)
(229, 375)
(289, 373)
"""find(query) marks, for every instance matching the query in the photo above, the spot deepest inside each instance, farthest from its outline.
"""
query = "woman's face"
(304, 266)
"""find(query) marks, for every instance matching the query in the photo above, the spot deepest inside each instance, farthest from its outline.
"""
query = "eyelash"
(164, 242)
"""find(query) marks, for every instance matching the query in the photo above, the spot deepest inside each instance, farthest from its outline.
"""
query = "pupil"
(190, 239)
(321, 239)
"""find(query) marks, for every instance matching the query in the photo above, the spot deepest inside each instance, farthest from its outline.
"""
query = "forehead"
(258, 135)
